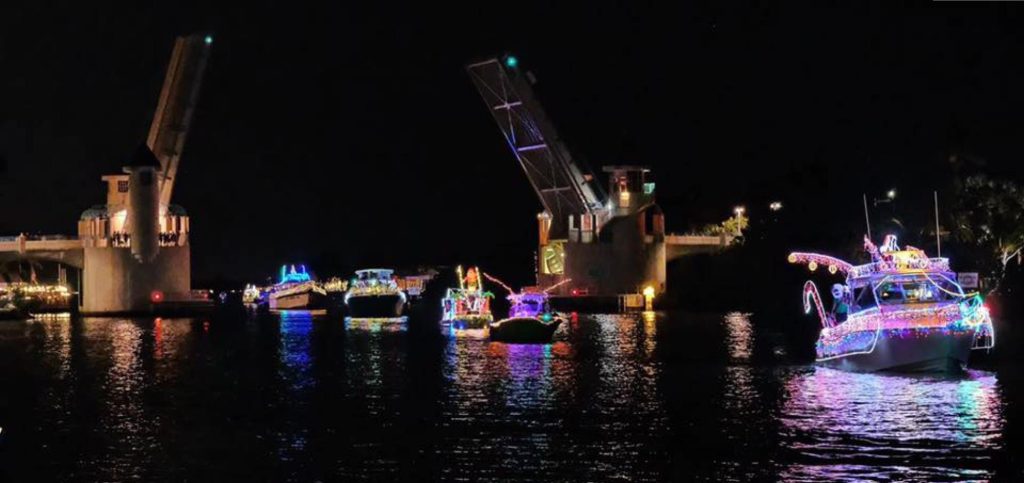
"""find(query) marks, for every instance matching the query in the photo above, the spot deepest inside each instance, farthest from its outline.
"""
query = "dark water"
(680, 397)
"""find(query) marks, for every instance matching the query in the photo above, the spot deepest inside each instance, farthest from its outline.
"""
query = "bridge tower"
(606, 245)
(136, 246)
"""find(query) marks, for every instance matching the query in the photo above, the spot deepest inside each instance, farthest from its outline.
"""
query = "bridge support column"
(115, 282)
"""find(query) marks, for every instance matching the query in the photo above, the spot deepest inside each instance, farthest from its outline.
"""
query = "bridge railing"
(698, 240)
(124, 240)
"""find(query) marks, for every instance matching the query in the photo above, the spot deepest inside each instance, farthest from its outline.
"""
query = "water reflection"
(130, 433)
(379, 324)
(739, 336)
(453, 331)
(169, 338)
(296, 372)
(525, 410)
(296, 327)
(304, 397)
(850, 426)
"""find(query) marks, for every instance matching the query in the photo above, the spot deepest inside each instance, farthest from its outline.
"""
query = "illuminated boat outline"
(374, 294)
(941, 326)
(467, 306)
(295, 290)
(530, 319)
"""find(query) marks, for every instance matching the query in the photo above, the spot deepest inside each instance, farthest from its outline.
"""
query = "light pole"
(890, 197)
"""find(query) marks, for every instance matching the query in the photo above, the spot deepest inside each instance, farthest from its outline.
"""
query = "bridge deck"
(56, 248)
(677, 246)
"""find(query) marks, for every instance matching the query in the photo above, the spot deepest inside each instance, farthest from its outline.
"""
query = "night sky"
(348, 135)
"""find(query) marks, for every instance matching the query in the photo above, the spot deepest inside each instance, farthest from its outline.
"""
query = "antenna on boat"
(866, 218)
(938, 239)
(499, 282)
(559, 284)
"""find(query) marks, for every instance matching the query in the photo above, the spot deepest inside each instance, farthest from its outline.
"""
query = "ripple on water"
(642, 397)
(848, 426)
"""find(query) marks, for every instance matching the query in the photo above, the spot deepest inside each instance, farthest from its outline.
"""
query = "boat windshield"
(527, 305)
(863, 299)
(918, 290)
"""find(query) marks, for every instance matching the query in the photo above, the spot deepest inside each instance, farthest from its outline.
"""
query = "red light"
(156, 296)
(575, 292)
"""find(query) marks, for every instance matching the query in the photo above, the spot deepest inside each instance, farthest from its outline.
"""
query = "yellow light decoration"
(812, 266)
(832, 269)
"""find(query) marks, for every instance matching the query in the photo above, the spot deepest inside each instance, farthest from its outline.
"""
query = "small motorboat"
(469, 306)
(525, 330)
(530, 319)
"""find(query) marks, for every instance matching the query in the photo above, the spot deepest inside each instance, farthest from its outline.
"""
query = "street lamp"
(890, 196)
(739, 210)
(775, 206)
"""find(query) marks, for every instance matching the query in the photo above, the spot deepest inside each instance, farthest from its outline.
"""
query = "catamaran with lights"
(468, 306)
(374, 293)
(901, 312)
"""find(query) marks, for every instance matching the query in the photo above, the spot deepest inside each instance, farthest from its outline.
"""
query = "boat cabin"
(528, 304)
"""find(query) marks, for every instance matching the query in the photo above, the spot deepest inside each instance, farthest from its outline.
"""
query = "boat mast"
(938, 239)
(866, 219)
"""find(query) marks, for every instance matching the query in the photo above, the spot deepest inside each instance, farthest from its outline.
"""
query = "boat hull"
(936, 352)
(299, 301)
(375, 306)
(470, 321)
(525, 330)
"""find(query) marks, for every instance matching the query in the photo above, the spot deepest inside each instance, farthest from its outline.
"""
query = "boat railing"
(889, 266)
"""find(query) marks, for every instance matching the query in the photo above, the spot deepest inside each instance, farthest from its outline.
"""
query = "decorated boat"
(35, 298)
(374, 293)
(251, 295)
(530, 318)
(903, 311)
(296, 290)
(468, 306)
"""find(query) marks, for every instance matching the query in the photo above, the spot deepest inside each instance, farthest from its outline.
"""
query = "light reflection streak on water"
(841, 424)
(57, 400)
(56, 333)
(626, 407)
(132, 433)
(739, 338)
(295, 370)
(379, 324)
(650, 332)
(370, 358)
(169, 335)
(296, 327)
(498, 403)
(742, 399)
